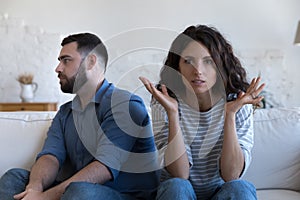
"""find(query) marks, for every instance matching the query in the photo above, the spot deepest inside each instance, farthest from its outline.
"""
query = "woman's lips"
(198, 82)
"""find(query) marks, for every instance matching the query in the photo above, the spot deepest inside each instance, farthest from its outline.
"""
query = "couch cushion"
(276, 152)
(277, 195)
(22, 135)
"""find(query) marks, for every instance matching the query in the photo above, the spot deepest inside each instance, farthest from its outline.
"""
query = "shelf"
(28, 106)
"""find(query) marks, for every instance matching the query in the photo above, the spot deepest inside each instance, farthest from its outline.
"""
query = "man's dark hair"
(87, 42)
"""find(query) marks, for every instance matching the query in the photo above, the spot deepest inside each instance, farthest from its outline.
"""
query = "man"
(99, 146)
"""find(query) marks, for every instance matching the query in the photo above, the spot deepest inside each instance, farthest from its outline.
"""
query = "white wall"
(138, 33)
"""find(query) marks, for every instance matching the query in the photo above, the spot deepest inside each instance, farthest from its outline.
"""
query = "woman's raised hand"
(251, 96)
(169, 103)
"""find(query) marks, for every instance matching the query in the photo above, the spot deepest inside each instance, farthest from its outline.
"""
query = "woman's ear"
(91, 61)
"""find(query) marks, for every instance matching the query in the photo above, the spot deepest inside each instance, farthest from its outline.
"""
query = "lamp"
(297, 38)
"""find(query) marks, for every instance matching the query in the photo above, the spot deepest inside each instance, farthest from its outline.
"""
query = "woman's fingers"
(164, 89)
(152, 89)
(147, 84)
(253, 92)
(255, 89)
(144, 80)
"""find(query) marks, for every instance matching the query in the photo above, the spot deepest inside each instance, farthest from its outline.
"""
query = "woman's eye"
(209, 62)
(188, 61)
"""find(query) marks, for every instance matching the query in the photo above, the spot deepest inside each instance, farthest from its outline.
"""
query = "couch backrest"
(276, 152)
(21, 137)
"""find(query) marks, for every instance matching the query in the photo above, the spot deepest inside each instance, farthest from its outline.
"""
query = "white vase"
(28, 92)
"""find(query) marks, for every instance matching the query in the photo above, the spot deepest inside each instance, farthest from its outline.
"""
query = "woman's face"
(198, 68)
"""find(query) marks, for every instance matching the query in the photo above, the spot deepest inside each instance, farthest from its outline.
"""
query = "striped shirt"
(203, 135)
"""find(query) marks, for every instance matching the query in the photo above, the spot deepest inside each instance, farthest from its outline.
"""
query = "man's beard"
(74, 83)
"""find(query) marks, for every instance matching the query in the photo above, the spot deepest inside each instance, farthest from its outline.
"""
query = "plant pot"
(28, 92)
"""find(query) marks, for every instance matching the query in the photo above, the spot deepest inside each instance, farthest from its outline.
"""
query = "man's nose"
(58, 68)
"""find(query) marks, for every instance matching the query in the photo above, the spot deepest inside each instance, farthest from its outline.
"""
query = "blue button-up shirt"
(114, 129)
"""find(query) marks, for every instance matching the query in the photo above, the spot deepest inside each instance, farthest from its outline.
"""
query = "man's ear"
(91, 61)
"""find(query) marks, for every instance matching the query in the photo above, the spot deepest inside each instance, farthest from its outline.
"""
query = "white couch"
(275, 168)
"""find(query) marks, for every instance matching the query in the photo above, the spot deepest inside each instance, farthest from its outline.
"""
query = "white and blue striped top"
(203, 134)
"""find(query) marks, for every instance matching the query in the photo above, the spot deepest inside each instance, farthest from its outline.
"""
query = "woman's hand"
(251, 96)
(169, 103)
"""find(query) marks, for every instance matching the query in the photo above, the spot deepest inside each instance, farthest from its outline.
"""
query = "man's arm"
(95, 172)
(44, 173)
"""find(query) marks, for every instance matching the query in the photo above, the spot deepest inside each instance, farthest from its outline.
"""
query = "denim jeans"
(14, 181)
(84, 190)
(177, 188)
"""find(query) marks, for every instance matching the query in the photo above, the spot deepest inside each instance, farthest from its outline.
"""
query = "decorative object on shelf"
(297, 38)
(28, 87)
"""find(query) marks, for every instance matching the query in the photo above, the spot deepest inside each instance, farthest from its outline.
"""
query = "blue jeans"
(14, 181)
(177, 188)
(84, 190)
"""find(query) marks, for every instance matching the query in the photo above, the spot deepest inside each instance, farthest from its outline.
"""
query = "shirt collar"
(76, 105)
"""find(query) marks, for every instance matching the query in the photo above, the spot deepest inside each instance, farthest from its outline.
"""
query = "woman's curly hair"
(228, 66)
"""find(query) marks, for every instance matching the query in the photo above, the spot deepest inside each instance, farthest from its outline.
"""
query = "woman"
(202, 118)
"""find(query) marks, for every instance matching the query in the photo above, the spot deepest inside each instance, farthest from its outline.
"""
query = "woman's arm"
(176, 159)
(232, 159)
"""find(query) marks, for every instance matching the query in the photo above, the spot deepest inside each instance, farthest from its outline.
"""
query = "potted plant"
(28, 87)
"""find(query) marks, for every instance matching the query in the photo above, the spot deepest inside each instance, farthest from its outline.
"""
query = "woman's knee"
(176, 188)
(240, 188)
(239, 184)
(177, 184)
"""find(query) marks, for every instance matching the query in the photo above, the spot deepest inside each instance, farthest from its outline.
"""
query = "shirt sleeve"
(244, 128)
(55, 144)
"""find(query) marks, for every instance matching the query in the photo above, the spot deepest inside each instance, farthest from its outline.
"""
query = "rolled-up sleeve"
(54, 143)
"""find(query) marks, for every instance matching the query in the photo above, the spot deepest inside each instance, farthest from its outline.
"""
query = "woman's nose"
(198, 68)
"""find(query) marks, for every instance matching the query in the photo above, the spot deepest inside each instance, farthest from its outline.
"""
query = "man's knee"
(13, 182)
(16, 174)
(82, 190)
(74, 190)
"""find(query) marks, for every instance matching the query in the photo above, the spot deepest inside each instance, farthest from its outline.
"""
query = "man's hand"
(30, 194)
